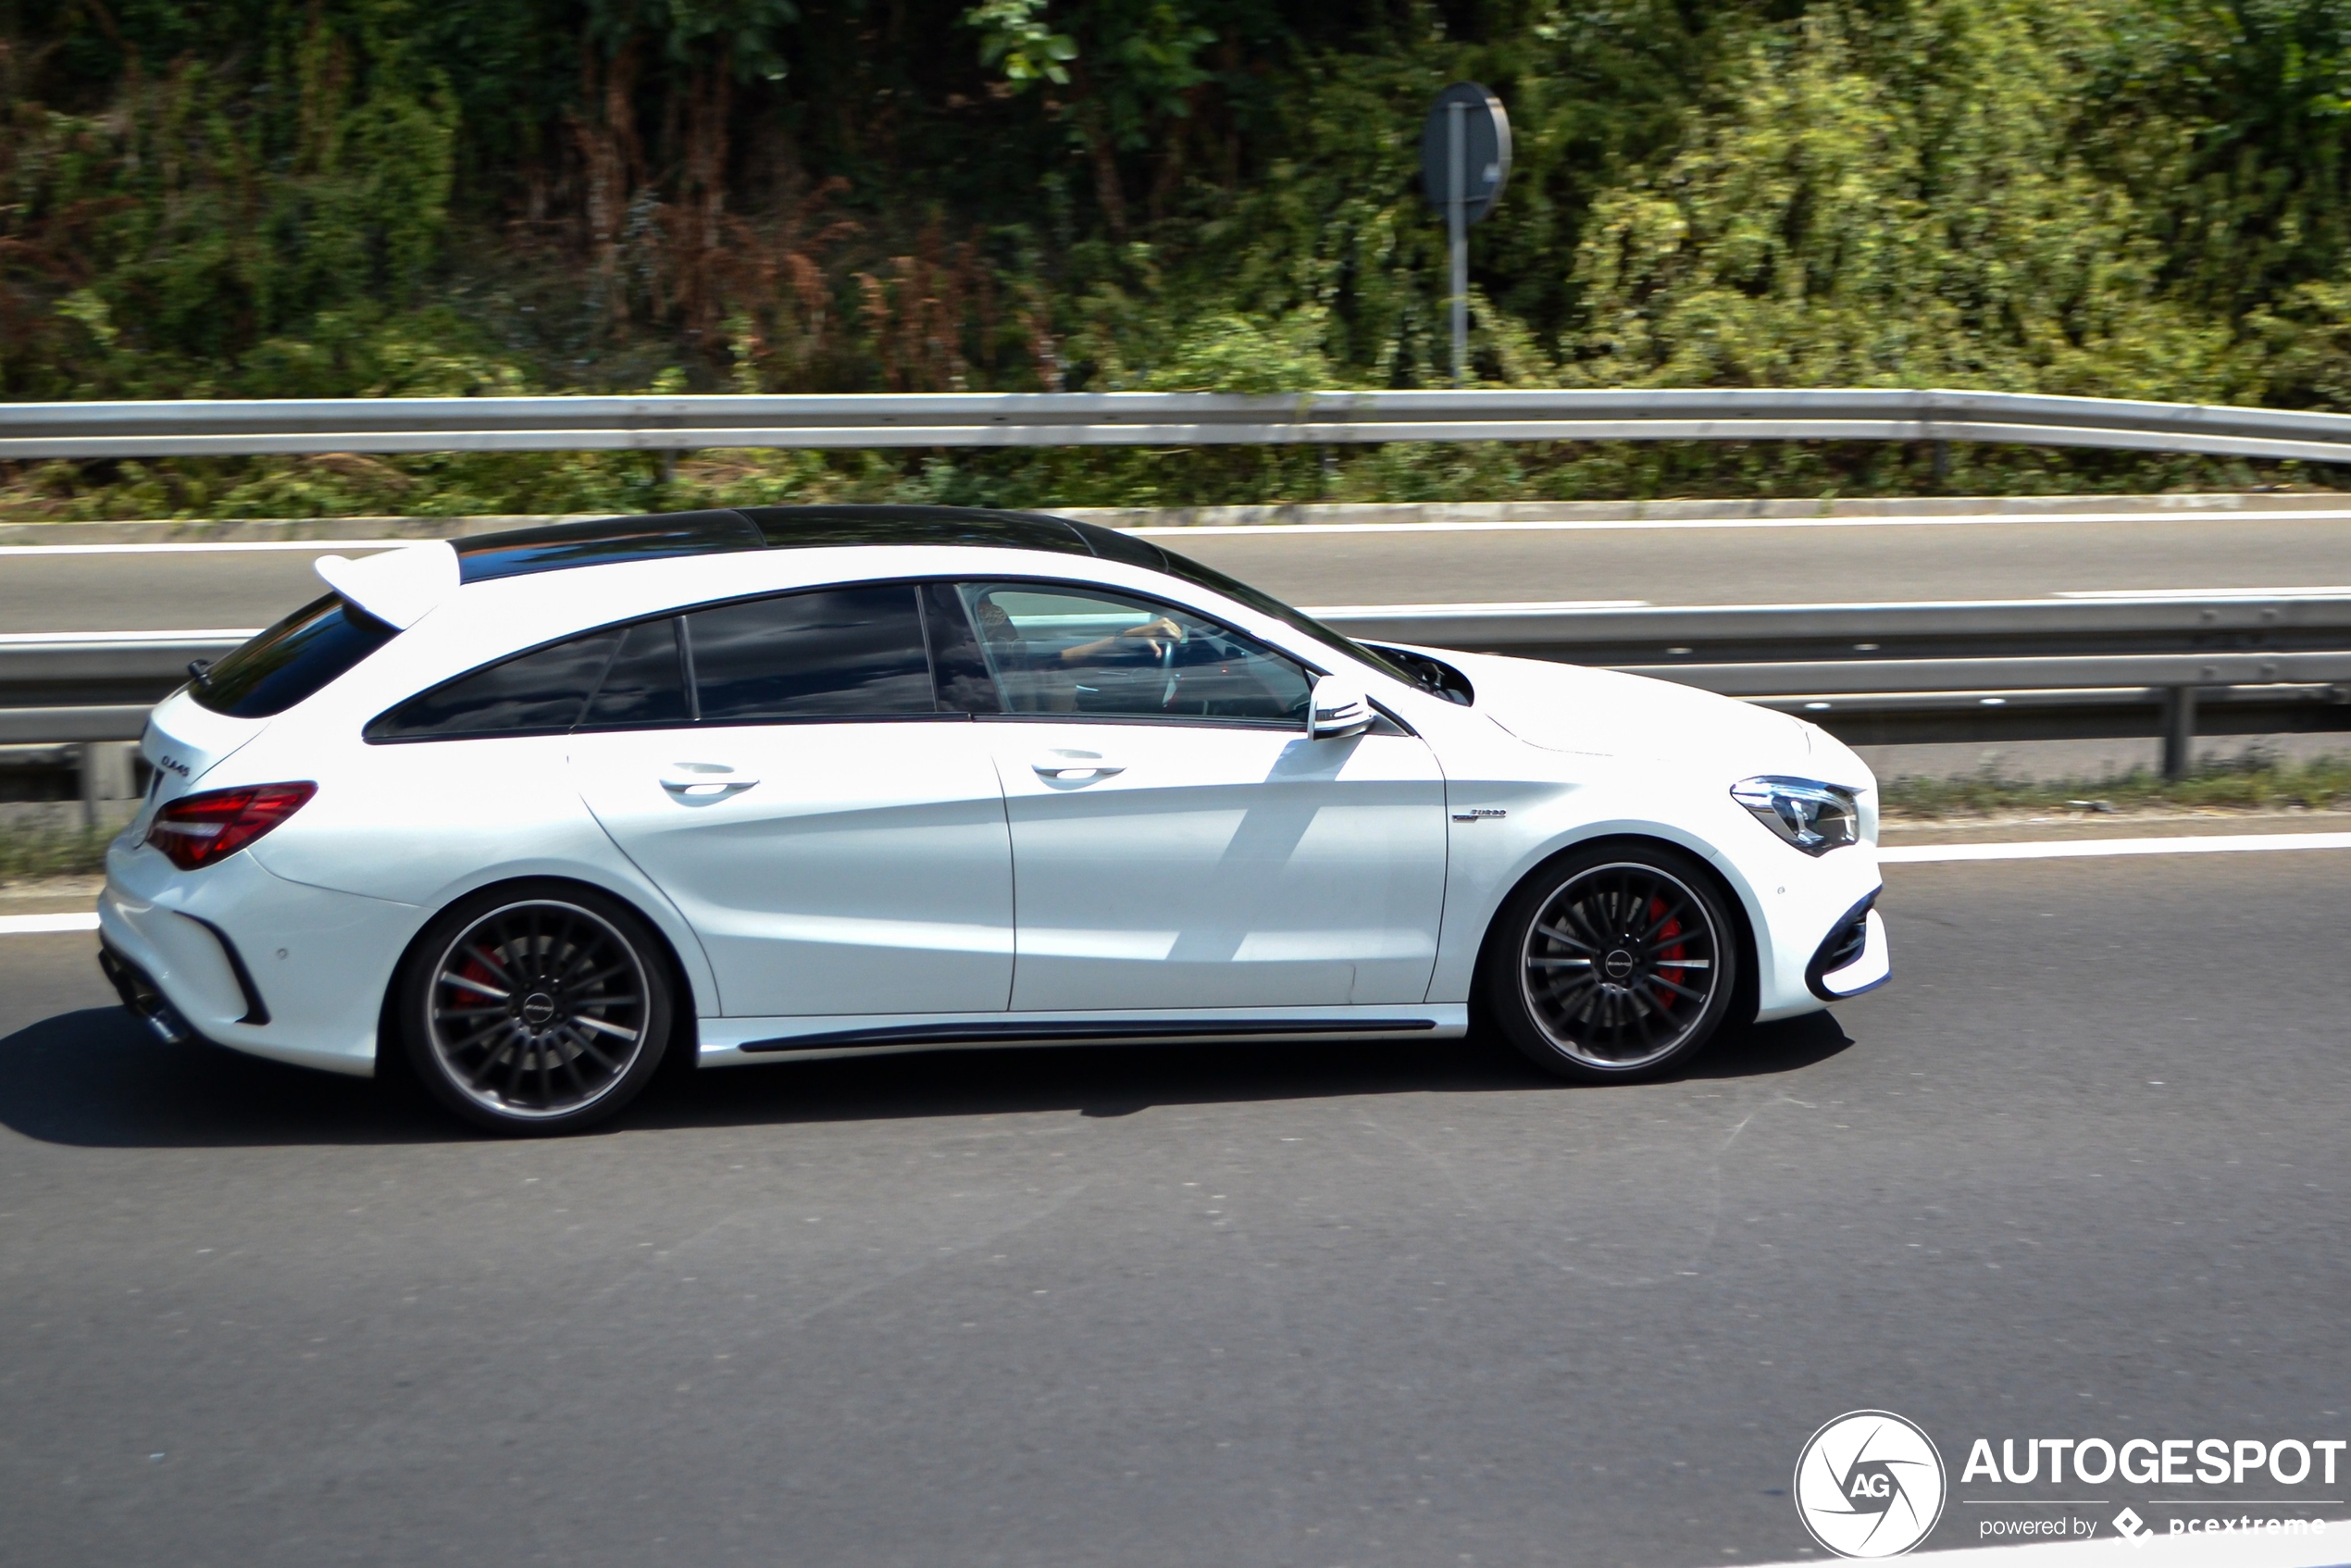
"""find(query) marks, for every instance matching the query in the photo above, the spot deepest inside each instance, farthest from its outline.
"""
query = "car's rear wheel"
(536, 1009)
(1613, 963)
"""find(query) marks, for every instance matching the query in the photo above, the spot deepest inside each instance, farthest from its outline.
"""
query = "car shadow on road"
(96, 1078)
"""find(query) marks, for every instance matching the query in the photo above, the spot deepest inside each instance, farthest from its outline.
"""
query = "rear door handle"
(1068, 767)
(705, 781)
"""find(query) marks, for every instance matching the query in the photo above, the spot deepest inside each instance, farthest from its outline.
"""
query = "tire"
(534, 1008)
(1613, 963)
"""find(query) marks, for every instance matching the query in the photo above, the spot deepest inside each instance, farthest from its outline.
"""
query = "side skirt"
(736, 1040)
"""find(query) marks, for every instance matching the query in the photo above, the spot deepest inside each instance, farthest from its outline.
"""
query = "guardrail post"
(2179, 730)
(86, 758)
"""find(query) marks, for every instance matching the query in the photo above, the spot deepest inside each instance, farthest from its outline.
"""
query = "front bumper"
(1854, 956)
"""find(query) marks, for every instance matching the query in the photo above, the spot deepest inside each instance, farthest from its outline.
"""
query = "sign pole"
(1457, 221)
(1465, 157)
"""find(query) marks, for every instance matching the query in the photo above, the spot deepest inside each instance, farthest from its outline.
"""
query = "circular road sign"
(1486, 150)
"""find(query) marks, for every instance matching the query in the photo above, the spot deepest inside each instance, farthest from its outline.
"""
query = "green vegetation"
(2255, 781)
(52, 852)
(343, 197)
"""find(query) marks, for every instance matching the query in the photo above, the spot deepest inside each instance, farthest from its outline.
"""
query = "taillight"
(198, 829)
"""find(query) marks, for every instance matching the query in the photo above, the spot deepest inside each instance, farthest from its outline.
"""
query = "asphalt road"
(2081, 1170)
(183, 589)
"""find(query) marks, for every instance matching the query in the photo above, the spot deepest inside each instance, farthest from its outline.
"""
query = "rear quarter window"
(292, 660)
(539, 692)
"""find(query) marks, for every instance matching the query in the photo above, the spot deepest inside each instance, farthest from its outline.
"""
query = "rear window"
(292, 660)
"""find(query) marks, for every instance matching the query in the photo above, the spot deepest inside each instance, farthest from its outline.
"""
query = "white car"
(535, 811)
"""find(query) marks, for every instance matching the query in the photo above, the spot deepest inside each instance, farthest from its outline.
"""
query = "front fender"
(1488, 857)
(1790, 900)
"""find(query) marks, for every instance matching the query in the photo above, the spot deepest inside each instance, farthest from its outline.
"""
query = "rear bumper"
(143, 998)
(250, 961)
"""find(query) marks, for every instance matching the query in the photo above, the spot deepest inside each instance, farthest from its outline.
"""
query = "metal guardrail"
(1871, 673)
(30, 431)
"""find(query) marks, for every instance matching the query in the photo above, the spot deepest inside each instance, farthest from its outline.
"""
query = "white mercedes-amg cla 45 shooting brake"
(536, 811)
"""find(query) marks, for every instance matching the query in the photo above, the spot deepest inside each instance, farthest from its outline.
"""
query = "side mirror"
(1339, 709)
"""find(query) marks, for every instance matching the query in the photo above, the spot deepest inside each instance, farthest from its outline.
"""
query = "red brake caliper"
(475, 970)
(1667, 938)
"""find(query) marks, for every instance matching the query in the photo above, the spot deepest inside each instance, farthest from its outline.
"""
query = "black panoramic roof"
(526, 550)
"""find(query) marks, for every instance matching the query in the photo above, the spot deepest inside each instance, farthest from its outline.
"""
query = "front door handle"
(1075, 767)
(705, 781)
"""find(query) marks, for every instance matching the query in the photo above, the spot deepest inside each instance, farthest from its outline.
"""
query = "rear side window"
(843, 652)
(541, 692)
(291, 660)
(960, 669)
(645, 685)
(832, 653)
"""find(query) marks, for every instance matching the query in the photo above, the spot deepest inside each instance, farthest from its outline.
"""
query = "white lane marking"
(2068, 849)
(204, 634)
(1518, 606)
(1368, 611)
(2328, 1546)
(316, 546)
(1606, 525)
(1898, 855)
(2203, 594)
(1274, 530)
(40, 925)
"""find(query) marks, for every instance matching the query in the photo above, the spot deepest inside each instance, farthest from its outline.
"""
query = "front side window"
(839, 652)
(1055, 648)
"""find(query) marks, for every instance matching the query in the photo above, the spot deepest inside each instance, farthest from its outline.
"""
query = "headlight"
(1813, 817)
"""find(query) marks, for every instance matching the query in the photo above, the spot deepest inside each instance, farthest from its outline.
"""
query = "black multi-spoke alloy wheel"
(1613, 963)
(536, 1007)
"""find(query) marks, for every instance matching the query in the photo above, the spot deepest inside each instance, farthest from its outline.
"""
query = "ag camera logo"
(1870, 1484)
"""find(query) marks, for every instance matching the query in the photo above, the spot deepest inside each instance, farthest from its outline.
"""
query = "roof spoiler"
(398, 587)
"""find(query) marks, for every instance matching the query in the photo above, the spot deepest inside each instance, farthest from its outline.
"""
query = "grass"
(2255, 781)
(53, 851)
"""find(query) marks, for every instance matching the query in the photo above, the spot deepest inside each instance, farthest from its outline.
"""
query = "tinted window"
(964, 685)
(1060, 648)
(835, 654)
(291, 660)
(645, 684)
(539, 692)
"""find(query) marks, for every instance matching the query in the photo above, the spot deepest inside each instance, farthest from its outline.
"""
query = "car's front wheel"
(536, 1008)
(1613, 963)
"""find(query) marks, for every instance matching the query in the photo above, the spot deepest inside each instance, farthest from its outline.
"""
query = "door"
(1178, 841)
(837, 839)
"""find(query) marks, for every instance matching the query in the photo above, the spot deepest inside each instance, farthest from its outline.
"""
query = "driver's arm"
(1152, 635)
